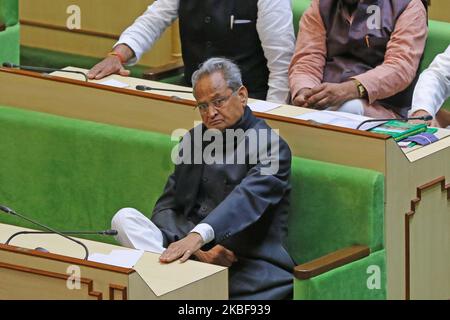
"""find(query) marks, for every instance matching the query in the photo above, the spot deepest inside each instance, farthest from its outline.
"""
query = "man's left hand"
(332, 94)
(182, 249)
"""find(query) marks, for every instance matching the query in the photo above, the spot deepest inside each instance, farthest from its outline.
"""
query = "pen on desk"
(231, 22)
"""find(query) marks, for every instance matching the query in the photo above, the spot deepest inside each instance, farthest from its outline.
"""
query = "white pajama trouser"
(137, 231)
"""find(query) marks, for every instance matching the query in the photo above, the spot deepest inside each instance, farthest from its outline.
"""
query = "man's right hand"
(218, 255)
(423, 113)
(112, 64)
(301, 99)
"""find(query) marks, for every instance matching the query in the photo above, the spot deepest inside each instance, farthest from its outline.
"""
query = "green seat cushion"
(10, 44)
(9, 12)
(75, 175)
(364, 279)
(333, 207)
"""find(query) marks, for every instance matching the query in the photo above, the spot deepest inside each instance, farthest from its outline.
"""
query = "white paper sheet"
(114, 83)
(118, 258)
(263, 106)
(340, 119)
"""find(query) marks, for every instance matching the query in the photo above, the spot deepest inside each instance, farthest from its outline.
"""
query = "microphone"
(51, 231)
(423, 118)
(145, 88)
(41, 69)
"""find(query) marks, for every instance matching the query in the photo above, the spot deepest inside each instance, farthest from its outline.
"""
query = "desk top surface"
(161, 278)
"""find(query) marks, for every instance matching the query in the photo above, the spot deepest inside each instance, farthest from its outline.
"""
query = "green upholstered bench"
(438, 36)
(9, 31)
(336, 231)
(73, 174)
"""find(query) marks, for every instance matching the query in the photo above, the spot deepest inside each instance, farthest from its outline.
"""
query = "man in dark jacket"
(227, 201)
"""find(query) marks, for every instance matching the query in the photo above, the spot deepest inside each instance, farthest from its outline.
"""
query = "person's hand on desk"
(422, 113)
(112, 64)
(300, 98)
(182, 249)
(331, 94)
(218, 255)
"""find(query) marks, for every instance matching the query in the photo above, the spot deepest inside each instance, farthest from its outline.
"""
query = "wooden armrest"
(2, 27)
(330, 261)
(165, 71)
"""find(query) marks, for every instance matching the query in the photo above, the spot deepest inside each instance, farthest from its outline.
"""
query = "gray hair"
(228, 68)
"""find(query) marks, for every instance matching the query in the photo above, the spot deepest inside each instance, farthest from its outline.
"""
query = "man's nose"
(211, 111)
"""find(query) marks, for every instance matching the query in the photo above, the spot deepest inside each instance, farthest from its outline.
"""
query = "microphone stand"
(145, 88)
(105, 233)
(423, 118)
(43, 69)
(12, 212)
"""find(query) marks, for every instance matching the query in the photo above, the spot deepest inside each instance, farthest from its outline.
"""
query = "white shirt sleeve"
(144, 32)
(276, 32)
(205, 231)
(433, 87)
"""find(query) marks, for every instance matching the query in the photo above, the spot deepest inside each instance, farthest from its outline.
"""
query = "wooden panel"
(17, 282)
(97, 17)
(402, 179)
(46, 278)
(121, 290)
(440, 10)
(111, 16)
(427, 243)
(331, 261)
(164, 114)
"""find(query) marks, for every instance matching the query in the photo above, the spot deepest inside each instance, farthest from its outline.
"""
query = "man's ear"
(243, 95)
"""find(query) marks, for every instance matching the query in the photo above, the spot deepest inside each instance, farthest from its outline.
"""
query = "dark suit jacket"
(247, 210)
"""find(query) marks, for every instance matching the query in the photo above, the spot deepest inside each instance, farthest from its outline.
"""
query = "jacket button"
(208, 44)
(207, 19)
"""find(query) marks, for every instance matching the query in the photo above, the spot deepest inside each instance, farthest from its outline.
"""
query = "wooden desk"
(29, 274)
(44, 26)
(417, 183)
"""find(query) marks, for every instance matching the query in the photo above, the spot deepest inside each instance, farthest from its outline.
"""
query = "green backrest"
(9, 12)
(73, 174)
(298, 7)
(10, 45)
(333, 207)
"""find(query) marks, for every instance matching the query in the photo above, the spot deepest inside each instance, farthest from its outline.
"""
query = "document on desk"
(340, 119)
(263, 106)
(114, 83)
(118, 258)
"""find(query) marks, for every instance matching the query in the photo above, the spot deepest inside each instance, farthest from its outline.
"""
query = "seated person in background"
(228, 213)
(359, 57)
(257, 34)
(431, 91)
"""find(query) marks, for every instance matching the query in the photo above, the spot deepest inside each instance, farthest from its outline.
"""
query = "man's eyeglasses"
(216, 103)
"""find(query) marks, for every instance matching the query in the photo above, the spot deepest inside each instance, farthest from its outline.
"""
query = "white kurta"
(274, 26)
(433, 87)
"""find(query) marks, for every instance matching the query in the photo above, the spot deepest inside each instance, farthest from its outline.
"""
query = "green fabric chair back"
(9, 12)
(10, 44)
(333, 207)
(72, 174)
(298, 8)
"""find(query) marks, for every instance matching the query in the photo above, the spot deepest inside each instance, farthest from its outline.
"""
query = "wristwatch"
(361, 90)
